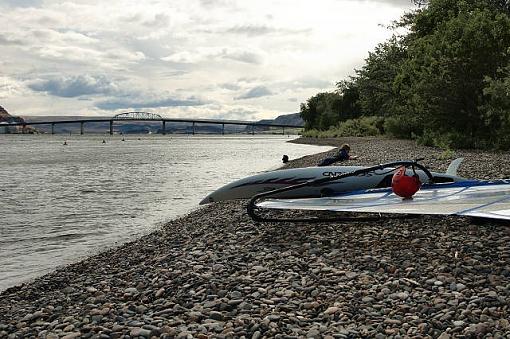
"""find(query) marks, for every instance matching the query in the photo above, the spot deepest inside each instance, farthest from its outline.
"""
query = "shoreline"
(216, 273)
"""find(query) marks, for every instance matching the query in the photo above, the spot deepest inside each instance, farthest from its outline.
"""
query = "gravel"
(217, 274)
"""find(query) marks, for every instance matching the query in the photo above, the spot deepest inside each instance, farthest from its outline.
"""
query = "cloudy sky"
(231, 59)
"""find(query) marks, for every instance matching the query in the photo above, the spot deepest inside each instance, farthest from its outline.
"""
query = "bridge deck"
(201, 121)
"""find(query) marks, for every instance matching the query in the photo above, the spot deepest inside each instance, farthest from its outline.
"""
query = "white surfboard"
(485, 199)
(268, 181)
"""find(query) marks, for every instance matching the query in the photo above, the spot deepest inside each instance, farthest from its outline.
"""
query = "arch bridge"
(137, 116)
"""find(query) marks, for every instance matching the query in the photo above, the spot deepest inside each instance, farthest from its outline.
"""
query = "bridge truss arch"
(137, 116)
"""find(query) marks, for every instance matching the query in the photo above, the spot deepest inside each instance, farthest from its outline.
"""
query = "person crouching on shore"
(343, 154)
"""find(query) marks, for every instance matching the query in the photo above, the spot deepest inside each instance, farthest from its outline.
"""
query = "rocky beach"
(217, 274)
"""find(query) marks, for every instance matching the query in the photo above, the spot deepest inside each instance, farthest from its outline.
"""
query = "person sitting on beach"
(343, 154)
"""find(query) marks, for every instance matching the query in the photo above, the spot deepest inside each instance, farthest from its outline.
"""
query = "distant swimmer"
(104, 141)
(123, 139)
(65, 143)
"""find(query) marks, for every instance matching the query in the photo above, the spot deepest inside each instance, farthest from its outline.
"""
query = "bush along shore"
(216, 274)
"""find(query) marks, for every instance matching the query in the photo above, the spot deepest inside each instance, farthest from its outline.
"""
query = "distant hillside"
(286, 119)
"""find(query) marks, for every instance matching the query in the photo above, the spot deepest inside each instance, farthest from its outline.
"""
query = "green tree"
(348, 105)
(496, 111)
(375, 79)
(319, 111)
(442, 80)
(326, 109)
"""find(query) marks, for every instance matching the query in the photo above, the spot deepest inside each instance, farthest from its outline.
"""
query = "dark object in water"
(285, 158)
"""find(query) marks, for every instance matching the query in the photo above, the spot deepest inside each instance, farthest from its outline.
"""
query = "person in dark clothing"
(343, 154)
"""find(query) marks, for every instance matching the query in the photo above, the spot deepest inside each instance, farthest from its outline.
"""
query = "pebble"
(331, 310)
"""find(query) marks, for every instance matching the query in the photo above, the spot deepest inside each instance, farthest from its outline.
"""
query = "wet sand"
(217, 274)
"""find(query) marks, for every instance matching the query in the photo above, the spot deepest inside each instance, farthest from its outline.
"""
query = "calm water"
(61, 203)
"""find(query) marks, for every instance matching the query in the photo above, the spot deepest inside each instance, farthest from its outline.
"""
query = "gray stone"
(216, 315)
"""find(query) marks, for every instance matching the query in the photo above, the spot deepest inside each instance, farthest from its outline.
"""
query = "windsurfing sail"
(485, 199)
(476, 198)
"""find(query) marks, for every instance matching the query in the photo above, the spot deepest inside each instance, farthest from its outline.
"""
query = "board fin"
(454, 166)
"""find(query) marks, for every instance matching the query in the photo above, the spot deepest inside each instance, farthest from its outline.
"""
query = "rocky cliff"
(6, 117)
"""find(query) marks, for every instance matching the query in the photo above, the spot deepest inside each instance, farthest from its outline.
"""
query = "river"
(60, 203)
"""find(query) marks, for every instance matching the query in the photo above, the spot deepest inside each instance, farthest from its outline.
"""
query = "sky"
(221, 59)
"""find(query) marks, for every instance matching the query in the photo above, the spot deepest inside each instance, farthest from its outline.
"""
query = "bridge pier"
(252, 129)
(193, 128)
(222, 129)
(163, 131)
(81, 127)
(52, 129)
(111, 127)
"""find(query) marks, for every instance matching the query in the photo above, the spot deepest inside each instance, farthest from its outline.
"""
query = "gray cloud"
(305, 83)
(124, 103)
(151, 48)
(230, 86)
(237, 114)
(247, 57)
(21, 3)
(6, 40)
(160, 20)
(84, 85)
(248, 79)
(396, 3)
(255, 92)
(208, 54)
(74, 86)
(251, 30)
(216, 3)
(208, 3)
(257, 30)
(313, 83)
